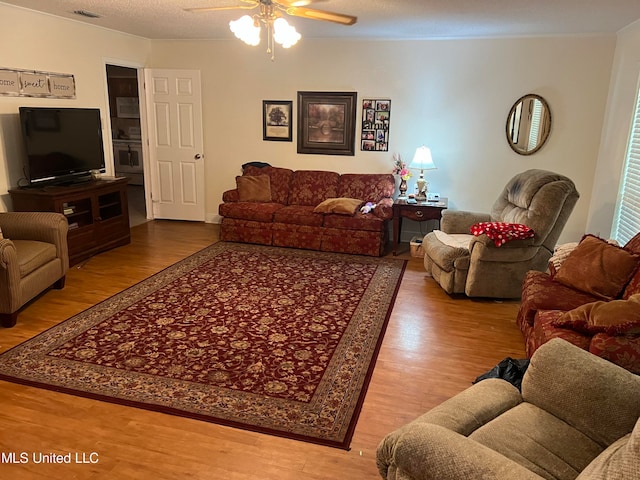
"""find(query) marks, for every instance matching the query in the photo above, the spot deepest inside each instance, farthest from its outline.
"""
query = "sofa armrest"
(595, 396)
(464, 413)
(384, 209)
(432, 452)
(541, 292)
(473, 407)
(9, 258)
(455, 221)
(231, 196)
(482, 248)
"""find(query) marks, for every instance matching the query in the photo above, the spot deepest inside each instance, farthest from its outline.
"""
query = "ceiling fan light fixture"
(285, 34)
(246, 30)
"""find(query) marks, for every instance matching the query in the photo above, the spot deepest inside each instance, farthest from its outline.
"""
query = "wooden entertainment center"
(97, 213)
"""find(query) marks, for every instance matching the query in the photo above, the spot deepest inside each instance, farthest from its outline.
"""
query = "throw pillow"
(616, 317)
(342, 205)
(254, 188)
(598, 268)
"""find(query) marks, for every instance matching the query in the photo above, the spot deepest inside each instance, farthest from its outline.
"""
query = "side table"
(418, 212)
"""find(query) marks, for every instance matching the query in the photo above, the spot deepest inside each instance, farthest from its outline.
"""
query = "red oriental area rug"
(279, 341)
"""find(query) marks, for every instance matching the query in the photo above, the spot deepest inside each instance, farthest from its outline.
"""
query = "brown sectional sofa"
(552, 307)
(288, 218)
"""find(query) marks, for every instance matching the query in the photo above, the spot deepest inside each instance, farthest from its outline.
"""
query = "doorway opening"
(124, 113)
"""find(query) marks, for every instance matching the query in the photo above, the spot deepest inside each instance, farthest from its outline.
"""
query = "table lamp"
(422, 160)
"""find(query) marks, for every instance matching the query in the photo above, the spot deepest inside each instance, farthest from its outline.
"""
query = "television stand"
(97, 212)
(76, 181)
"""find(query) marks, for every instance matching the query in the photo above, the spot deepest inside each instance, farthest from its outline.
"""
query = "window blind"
(627, 217)
(536, 117)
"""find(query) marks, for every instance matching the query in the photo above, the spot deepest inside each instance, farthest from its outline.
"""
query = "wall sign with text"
(31, 83)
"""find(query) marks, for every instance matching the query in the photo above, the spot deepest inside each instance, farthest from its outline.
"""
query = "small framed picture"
(276, 120)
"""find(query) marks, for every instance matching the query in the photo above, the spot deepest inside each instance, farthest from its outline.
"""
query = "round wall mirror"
(528, 124)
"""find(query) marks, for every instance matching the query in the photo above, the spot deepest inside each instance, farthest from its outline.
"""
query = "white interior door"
(174, 117)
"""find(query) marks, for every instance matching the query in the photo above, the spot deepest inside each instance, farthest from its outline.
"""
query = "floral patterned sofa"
(309, 209)
(592, 301)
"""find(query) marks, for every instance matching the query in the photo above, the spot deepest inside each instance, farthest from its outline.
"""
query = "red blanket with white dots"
(501, 232)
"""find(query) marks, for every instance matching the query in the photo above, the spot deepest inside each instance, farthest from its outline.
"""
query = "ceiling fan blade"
(296, 3)
(251, 4)
(321, 15)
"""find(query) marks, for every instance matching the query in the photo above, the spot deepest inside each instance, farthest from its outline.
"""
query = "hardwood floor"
(434, 347)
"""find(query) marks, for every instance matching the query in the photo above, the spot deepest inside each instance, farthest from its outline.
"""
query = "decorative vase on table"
(403, 188)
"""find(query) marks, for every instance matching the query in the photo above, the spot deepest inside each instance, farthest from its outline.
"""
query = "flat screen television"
(63, 145)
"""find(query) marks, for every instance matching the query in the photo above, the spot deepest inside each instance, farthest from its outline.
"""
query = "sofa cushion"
(633, 245)
(370, 187)
(33, 254)
(620, 461)
(623, 350)
(257, 212)
(598, 268)
(246, 231)
(311, 187)
(279, 178)
(615, 317)
(298, 215)
(254, 188)
(359, 242)
(633, 286)
(340, 205)
(544, 330)
(538, 441)
(369, 223)
(541, 292)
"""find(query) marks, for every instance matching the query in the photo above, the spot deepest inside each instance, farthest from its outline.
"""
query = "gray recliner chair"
(473, 265)
(33, 257)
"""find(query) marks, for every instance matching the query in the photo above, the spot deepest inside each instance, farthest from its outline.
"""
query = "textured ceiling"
(392, 19)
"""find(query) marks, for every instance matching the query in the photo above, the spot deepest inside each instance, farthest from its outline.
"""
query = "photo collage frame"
(375, 125)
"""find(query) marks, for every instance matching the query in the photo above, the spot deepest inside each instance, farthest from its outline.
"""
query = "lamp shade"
(422, 159)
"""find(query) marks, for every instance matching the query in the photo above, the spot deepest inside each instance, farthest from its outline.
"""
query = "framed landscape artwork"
(276, 120)
(326, 122)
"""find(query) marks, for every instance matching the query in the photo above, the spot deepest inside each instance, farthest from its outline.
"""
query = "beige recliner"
(463, 263)
(576, 418)
(33, 257)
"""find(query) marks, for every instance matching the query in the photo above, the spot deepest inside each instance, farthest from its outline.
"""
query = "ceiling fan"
(296, 8)
(279, 31)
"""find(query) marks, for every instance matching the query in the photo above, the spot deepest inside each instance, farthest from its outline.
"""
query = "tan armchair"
(576, 418)
(463, 263)
(33, 257)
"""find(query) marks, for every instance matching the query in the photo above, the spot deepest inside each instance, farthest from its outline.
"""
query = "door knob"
(197, 156)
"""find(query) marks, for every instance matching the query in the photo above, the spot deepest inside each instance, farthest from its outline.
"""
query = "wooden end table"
(418, 212)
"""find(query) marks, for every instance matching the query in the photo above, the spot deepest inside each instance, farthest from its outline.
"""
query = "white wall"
(451, 95)
(32, 41)
(625, 76)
